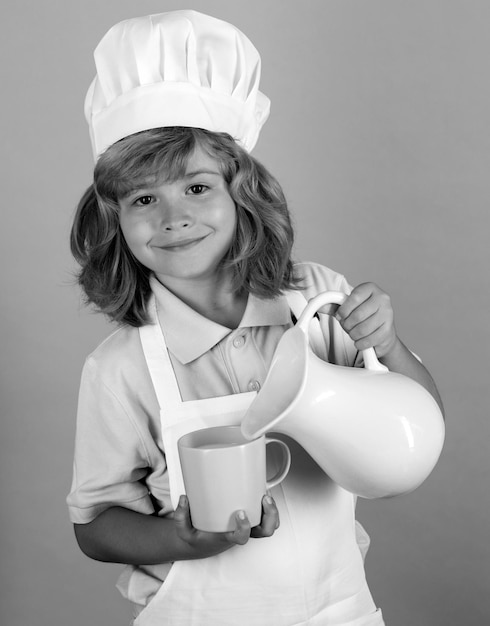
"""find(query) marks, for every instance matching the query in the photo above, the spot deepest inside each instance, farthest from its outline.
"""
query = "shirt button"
(239, 341)
(253, 385)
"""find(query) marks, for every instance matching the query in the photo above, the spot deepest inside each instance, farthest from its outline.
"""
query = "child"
(185, 240)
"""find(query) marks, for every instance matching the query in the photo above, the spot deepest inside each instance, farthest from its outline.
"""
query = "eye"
(197, 189)
(144, 200)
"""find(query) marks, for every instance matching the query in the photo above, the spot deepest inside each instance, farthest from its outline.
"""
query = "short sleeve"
(110, 461)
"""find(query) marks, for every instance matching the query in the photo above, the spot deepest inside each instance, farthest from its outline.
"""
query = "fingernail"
(268, 499)
(241, 515)
(182, 500)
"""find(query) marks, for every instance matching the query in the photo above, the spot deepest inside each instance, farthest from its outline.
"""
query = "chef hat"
(181, 68)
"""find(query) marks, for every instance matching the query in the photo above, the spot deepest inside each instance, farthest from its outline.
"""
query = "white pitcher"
(376, 433)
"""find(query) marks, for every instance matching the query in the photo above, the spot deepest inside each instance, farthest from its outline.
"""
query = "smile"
(183, 244)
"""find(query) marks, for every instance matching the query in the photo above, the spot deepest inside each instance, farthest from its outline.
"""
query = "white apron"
(309, 572)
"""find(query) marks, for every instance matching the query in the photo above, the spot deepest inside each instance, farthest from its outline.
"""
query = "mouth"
(182, 244)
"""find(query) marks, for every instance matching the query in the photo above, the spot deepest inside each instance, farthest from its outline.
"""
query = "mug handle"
(336, 297)
(282, 473)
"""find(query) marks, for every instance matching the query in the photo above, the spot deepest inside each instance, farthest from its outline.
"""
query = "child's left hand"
(367, 317)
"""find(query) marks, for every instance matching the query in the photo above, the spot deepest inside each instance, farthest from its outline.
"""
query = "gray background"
(380, 135)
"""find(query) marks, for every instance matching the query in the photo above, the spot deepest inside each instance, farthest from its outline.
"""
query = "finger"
(359, 294)
(364, 313)
(365, 327)
(270, 519)
(328, 309)
(241, 534)
(376, 340)
(182, 519)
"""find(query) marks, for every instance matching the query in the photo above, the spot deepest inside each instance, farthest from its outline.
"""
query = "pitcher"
(374, 432)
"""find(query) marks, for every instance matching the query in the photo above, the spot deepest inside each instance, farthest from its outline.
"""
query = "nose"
(175, 216)
(176, 224)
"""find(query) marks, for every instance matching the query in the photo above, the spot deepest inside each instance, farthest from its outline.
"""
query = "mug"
(224, 472)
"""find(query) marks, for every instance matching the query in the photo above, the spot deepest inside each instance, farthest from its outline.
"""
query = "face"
(181, 230)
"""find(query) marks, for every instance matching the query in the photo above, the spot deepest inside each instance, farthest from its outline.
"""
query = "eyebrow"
(199, 172)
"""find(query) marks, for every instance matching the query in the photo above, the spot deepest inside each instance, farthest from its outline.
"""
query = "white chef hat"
(180, 68)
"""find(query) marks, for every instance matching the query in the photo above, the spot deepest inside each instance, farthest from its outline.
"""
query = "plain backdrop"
(379, 133)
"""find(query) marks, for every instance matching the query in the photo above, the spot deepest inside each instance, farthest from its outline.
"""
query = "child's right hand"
(208, 544)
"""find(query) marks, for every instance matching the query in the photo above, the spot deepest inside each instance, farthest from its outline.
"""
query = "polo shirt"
(119, 457)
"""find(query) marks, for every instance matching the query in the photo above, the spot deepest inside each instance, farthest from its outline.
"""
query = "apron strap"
(158, 360)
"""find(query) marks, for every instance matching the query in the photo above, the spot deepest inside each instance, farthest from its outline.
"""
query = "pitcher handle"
(336, 297)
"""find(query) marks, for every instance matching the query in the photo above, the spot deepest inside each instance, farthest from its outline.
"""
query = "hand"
(367, 317)
(206, 544)
(270, 519)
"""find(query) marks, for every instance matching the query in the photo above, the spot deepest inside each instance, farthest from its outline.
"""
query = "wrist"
(386, 352)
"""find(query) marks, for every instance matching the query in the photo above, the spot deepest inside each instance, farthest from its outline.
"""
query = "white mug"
(224, 472)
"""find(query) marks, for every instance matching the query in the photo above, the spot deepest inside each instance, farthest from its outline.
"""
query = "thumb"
(328, 309)
(182, 518)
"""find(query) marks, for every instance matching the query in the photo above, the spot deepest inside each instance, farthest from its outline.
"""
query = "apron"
(309, 572)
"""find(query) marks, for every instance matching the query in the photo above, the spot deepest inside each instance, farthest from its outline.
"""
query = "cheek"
(133, 230)
(229, 215)
(134, 238)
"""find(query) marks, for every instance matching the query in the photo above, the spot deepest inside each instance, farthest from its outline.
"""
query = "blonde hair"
(111, 277)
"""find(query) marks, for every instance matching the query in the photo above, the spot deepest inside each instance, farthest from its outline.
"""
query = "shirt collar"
(189, 334)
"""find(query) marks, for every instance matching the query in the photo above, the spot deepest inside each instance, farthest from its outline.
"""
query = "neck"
(211, 298)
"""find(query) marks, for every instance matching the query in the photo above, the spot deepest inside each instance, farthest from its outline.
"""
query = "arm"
(367, 317)
(115, 457)
(120, 535)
